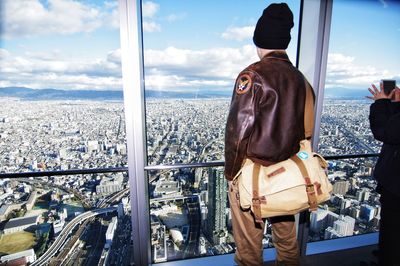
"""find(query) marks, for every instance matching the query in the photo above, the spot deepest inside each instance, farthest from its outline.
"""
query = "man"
(384, 120)
(265, 124)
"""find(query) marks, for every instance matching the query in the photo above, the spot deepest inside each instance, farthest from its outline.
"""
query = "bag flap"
(274, 178)
(322, 161)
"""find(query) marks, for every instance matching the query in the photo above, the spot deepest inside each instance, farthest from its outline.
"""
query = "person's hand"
(396, 95)
(380, 93)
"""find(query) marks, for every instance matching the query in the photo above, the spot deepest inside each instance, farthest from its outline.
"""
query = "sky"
(189, 45)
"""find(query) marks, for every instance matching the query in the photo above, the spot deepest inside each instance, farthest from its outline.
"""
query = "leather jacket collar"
(277, 55)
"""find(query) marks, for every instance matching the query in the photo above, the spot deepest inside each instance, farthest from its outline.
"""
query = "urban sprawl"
(189, 211)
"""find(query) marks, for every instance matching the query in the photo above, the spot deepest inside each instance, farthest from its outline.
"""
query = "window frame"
(313, 43)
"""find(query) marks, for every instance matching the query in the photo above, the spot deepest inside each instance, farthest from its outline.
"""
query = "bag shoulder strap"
(308, 111)
(256, 200)
(308, 130)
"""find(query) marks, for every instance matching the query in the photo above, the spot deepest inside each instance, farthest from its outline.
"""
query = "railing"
(64, 172)
(151, 167)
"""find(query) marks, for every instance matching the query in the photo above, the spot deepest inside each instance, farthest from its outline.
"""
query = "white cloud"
(168, 69)
(27, 18)
(151, 26)
(114, 56)
(112, 18)
(175, 68)
(180, 83)
(342, 71)
(31, 18)
(3, 54)
(149, 9)
(238, 33)
(175, 17)
(37, 70)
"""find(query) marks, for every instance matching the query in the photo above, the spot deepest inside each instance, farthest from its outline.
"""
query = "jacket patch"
(243, 84)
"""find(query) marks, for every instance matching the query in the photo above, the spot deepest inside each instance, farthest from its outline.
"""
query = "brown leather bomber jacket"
(266, 116)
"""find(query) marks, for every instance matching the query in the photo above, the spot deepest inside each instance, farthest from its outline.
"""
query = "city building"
(331, 233)
(318, 220)
(20, 224)
(345, 205)
(217, 204)
(340, 187)
(167, 188)
(6, 209)
(25, 257)
(110, 232)
(367, 212)
(109, 185)
(363, 194)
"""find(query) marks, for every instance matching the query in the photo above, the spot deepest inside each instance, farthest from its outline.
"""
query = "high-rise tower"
(217, 203)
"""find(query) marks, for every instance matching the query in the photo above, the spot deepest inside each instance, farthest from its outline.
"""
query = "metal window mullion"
(133, 87)
(321, 64)
(312, 61)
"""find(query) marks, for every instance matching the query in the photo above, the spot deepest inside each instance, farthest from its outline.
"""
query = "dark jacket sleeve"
(240, 124)
(385, 121)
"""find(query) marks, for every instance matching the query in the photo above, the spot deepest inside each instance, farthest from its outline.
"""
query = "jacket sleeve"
(240, 122)
(385, 122)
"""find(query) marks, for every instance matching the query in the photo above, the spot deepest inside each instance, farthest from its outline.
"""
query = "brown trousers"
(248, 235)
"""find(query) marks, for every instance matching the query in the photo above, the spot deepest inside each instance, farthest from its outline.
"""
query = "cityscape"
(85, 219)
(62, 122)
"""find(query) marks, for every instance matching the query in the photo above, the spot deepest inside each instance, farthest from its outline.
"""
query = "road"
(61, 240)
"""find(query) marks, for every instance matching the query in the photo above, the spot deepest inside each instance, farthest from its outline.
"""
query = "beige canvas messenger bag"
(287, 187)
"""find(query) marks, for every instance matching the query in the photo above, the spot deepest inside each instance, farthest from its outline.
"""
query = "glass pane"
(62, 109)
(345, 127)
(190, 221)
(54, 134)
(40, 214)
(354, 63)
(193, 52)
(60, 88)
(354, 207)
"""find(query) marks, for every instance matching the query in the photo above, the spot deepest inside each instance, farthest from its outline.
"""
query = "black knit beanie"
(273, 27)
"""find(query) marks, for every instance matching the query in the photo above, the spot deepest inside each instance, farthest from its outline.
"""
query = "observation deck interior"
(149, 166)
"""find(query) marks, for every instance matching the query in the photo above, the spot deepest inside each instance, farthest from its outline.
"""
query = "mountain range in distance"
(58, 94)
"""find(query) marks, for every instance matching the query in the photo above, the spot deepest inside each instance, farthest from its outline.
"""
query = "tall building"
(343, 226)
(341, 187)
(331, 233)
(340, 227)
(363, 194)
(217, 203)
(109, 185)
(351, 222)
(323, 219)
(355, 212)
(318, 220)
(344, 206)
(367, 212)
(110, 232)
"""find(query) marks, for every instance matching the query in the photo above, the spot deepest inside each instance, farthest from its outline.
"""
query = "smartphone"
(388, 85)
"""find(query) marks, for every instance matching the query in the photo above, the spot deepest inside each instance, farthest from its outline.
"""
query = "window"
(61, 87)
(62, 113)
(358, 56)
(193, 52)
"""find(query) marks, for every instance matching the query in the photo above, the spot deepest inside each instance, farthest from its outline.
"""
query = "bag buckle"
(259, 200)
(256, 201)
(310, 188)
